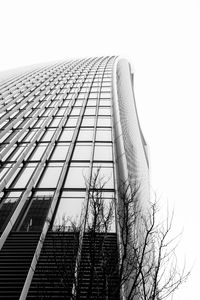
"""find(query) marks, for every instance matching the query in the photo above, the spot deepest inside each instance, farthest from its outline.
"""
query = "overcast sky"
(162, 41)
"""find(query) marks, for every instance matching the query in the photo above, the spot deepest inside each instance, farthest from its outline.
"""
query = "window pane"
(48, 135)
(82, 152)
(68, 213)
(77, 177)
(104, 111)
(60, 152)
(103, 135)
(36, 215)
(18, 151)
(105, 175)
(90, 111)
(103, 152)
(88, 121)
(37, 154)
(66, 135)
(71, 121)
(24, 177)
(106, 122)
(55, 122)
(76, 111)
(85, 135)
(8, 207)
(50, 177)
(105, 102)
(103, 220)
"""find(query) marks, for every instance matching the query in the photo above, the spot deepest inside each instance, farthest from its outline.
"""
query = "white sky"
(161, 39)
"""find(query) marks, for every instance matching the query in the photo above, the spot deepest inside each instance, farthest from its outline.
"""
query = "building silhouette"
(69, 134)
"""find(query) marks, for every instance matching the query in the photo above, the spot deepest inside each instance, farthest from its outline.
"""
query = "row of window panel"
(102, 135)
(71, 211)
(77, 176)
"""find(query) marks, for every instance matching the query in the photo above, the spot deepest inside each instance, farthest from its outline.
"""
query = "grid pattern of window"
(55, 136)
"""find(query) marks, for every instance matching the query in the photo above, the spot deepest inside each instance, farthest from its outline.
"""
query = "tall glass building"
(69, 136)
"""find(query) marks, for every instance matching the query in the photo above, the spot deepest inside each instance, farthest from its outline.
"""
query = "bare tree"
(148, 268)
(143, 265)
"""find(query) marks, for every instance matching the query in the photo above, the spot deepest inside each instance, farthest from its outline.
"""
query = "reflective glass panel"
(50, 177)
(103, 121)
(103, 152)
(68, 213)
(77, 177)
(105, 175)
(25, 176)
(82, 152)
(48, 135)
(85, 135)
(60, 152)
(39, 150)
(66, 135)
(103, 135)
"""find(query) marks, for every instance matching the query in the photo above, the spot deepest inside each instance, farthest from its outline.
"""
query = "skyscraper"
(69, 135)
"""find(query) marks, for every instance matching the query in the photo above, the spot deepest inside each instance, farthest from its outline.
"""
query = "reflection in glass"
(68, 214)
(101, 213)
(105, 175)
(7, 207)
(36, 214)
(77, 177)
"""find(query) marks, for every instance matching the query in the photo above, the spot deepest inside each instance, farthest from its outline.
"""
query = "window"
(105, 102)
(48, 135)
(66, 135)
(104, 111)
(30, 135)
(8, 206)
(85, 134)
(51, 176)
(103, 134)
(90, 111)
(61, 112)
(106, 212)
(38, 152)
(105, 173)
(60, 152)
(82, 152)
(25, 175)
(103, 152)
(72, 121)
(92, 102)
(69, 211)
(35, 217)
(77, 176)
(88, 121)
(76, 111)
(78, 103)
(104, 122)
(55, 122)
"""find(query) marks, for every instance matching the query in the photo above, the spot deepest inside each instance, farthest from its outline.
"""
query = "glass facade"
(56, 133)
(69, 135)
